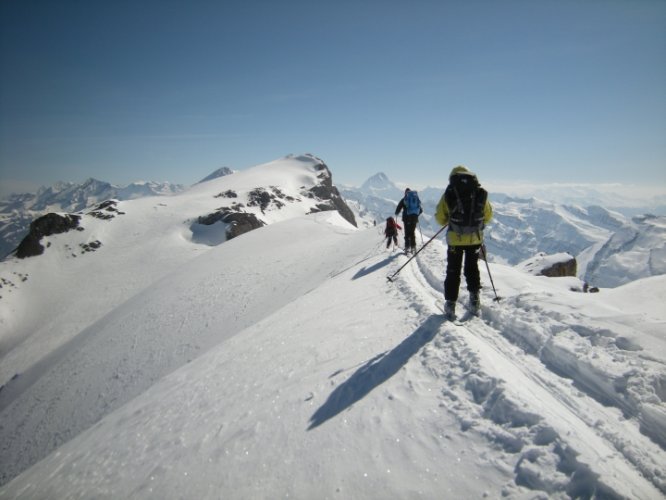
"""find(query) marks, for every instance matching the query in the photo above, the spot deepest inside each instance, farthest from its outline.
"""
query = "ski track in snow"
(481, 362)
(354, 409)
(283, 364)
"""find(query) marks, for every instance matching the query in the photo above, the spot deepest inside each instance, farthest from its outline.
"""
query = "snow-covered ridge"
(115, 250)
(17, 212)
(133, 243)
(349, 385)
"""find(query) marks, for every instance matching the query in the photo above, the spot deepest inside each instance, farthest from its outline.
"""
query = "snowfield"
(282, 363)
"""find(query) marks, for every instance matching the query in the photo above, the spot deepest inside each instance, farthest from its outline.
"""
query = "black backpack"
(466, 200)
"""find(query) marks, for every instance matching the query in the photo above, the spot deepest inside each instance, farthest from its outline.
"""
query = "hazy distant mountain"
(375, 200)
(220, 172)
(606, 243)
(628, 200)
(380, 186)
(18, 210)
(635, 250)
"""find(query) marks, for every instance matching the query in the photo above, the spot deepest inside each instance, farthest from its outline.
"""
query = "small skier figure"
(411, 208)
(391, 232)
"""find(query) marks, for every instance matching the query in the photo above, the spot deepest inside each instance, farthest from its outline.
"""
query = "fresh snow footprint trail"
(536, 416)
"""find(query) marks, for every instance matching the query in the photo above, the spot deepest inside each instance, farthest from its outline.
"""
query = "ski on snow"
(458, 320)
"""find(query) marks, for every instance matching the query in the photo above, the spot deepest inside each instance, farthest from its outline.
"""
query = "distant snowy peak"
(377, 181)
(220, 172)
(68, 196)
(143, 189)
(73, 197)
(381, 186)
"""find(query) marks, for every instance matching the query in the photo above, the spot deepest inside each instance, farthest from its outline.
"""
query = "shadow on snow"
(375, 372)
(375, 267)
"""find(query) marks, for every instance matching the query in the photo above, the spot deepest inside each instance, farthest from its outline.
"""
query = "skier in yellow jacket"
(465, 208)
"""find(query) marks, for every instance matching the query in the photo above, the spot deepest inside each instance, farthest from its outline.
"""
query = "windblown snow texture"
(282, 363)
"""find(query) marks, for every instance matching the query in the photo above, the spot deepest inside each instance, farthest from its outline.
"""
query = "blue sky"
(520, 91)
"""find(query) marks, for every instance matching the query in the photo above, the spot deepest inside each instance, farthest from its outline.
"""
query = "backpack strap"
(459, 205)
(473, 207)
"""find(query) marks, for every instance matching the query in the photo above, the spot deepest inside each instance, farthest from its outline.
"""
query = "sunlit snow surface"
(283, 364)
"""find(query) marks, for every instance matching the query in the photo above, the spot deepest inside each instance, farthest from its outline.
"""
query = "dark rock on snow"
(330, 196)
(239, 222)
(272, 198)
(45, 225)
(561, 269)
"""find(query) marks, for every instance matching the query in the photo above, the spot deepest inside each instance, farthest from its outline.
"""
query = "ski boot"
(450, 310)
(474, 303)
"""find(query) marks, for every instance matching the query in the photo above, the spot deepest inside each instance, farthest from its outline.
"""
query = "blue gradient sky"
(534, 90)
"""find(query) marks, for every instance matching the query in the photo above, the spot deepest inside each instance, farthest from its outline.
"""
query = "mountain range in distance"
(611, 246)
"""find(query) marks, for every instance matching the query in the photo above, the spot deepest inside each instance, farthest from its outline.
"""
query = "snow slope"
(635, 251)
(332, 382)
(160, 329)
(18, 210)
(147, 239)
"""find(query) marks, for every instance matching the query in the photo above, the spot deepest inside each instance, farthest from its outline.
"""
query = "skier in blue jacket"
(411, 208)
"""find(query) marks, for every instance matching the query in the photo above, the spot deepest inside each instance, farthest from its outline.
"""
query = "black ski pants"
(454, 266)
(410, 222)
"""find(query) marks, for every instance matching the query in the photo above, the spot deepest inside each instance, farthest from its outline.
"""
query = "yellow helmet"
(460, 169)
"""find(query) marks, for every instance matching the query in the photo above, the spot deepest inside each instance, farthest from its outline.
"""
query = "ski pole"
(390, 278)
(421, 232)
(485, 258)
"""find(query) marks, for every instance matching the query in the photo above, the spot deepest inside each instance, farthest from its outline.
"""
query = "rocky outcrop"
(106, 210)
(266, 199)
(45, 225)
(560, 269)
(329, 195)
(239, 222)
(553, 266)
